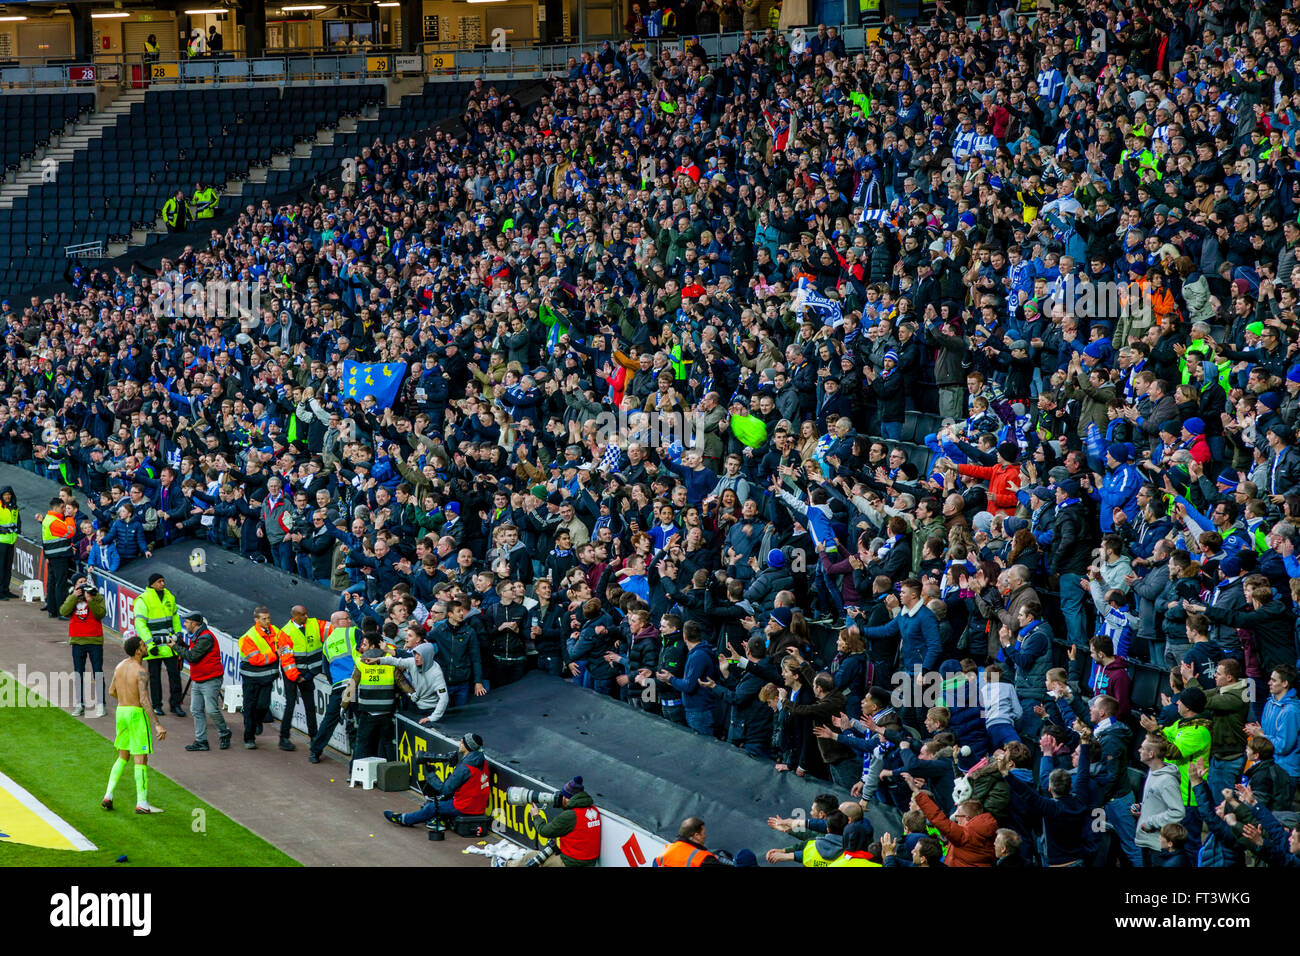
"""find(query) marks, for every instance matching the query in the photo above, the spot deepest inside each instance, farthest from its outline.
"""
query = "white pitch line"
(65, 829)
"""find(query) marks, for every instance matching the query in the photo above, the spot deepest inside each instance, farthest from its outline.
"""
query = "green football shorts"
(133, 733)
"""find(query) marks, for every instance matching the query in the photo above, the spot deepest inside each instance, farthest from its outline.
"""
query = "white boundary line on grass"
(64, 829)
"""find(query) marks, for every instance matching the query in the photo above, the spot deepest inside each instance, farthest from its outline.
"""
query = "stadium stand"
(170, 140)
(30, 120)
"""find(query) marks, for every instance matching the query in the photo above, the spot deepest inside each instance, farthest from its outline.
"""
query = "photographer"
(576, 828)
(85, 609)
(203, 654)
(465, 792)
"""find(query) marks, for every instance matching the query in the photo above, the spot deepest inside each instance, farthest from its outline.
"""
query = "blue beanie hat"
(891, 356)
(858, 835)
(745, 857)
(1194, 426)
(1118, 451)
(1293, 374)
(782, 616)
(967, 219)
(1095, 350)
(776, 558)
(1229, 478)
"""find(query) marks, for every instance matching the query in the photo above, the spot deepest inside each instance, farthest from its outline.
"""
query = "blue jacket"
(700, 665)
(1065, 820)
(1281, 725)
(458, 777)
(1276, 849)
(817, 521)
(699, 481)
(458, 652)
(1119, 490)
(129, 537)
(919, 636)
(1221, 848)
(1031, 656)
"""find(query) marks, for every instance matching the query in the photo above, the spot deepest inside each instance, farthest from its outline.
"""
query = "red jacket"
(969, 845)
(204, 656)
(1004, 482)
(85, 621)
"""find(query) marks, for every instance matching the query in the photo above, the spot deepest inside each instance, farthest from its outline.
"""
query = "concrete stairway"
(45, 167)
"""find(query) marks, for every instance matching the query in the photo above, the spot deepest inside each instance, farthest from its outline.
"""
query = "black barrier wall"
(226, 592)
(638, 765)
(542, 731)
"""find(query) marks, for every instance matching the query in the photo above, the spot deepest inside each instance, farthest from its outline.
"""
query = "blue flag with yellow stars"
(380, 379)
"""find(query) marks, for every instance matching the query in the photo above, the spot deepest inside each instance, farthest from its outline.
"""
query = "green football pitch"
(65, 764)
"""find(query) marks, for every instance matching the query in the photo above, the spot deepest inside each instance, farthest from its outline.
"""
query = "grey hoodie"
(1162, 802)
(425, 676)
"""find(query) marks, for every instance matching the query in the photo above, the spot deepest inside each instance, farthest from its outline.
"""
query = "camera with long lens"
(523, 796)
(428, 760)
(428, 784)
(542, 855)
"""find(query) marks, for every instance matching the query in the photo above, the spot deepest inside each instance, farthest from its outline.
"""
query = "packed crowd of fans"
(665, 332)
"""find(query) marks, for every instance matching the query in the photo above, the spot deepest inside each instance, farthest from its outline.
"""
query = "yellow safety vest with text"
(308, 648)
(8, 525)
(155, 619)
(377, 691)
(812, 858)
(341, 653)
(171, 212)
(205, 203)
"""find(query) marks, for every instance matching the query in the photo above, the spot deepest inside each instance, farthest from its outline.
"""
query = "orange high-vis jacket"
(61, 526)
(287, 663)
(683, 853)
(260, 654)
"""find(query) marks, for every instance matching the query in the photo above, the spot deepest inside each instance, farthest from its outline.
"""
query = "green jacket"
(671, 244)
(1227, 709)
(425, 522)
(935, 529)
(1192, 738)
(564, 822)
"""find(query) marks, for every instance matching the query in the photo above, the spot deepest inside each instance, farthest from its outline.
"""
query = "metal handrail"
(85, 250)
